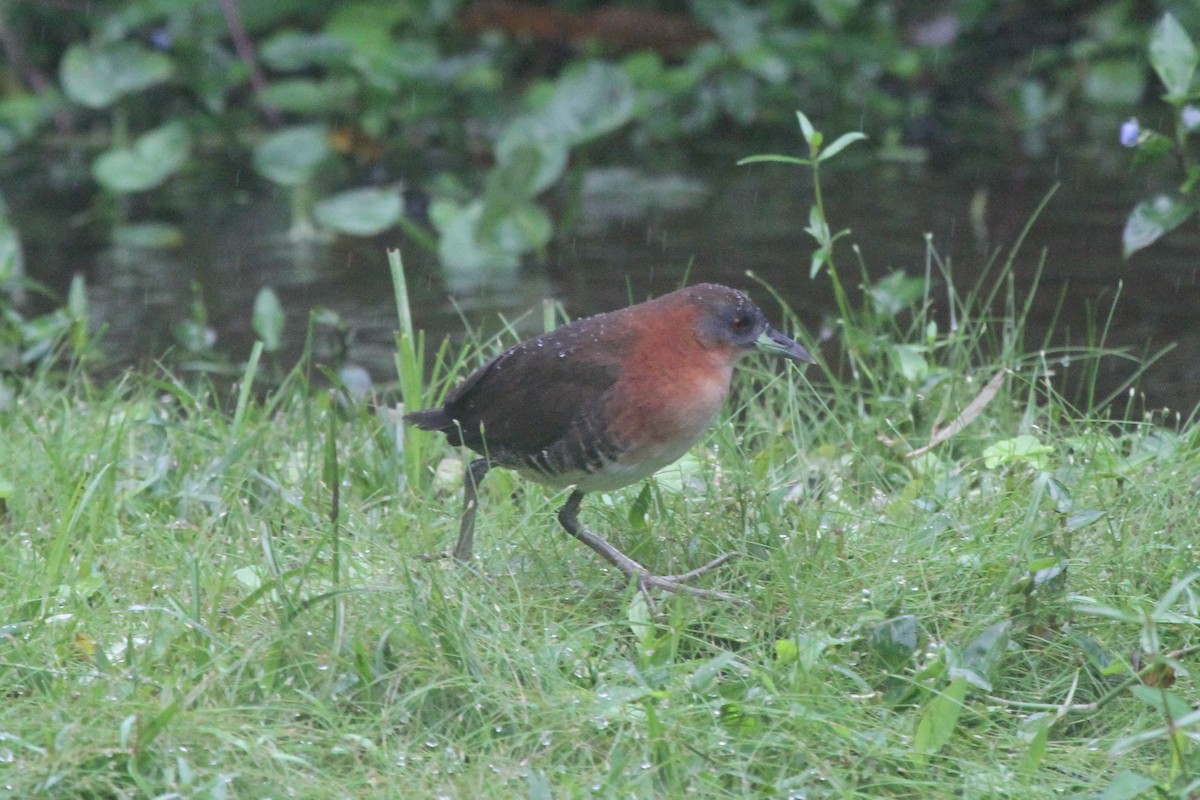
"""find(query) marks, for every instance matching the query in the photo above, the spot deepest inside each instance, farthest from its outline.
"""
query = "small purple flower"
(1190, 117)
(1129, 132)
(161, 38)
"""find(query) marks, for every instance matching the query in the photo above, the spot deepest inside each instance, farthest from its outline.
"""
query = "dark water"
(635, 238)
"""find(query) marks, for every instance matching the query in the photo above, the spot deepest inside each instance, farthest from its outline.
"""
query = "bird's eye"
(741, 323)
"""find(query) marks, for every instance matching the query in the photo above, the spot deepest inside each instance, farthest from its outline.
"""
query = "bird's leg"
(466, 531)
(568, 517)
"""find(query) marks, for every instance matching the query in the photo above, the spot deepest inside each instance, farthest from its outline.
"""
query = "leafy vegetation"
(1175, 58)
(452, 121)
(961, 584)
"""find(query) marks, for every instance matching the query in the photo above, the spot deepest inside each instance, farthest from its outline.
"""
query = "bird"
(604, 402)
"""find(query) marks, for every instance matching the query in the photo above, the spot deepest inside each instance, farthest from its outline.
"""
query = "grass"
(205, 602)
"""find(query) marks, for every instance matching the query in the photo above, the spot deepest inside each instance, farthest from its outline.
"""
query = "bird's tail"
(433, 419)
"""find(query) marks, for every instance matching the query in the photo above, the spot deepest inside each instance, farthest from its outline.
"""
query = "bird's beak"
(774, 342)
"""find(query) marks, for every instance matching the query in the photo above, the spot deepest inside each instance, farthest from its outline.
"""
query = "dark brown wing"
(527, 399)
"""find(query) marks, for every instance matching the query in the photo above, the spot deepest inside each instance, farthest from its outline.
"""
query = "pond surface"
(639, 235)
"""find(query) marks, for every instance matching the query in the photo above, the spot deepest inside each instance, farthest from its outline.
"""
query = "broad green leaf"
(531, 132)
(1060, 493)
(97, 76)
(910, 360)
(539, 786)
(460, 251)
(740, 92)
(1020, 449)
(360, 212)
(820, 258)
(1127, 785)
(894, 640)
(896, 293)
(707, 672)
(268, 319)
(291, 51)
(639, 509)
(1173, 57)
(508, 186)
(786, 651)
(982, 657)
(1152, 146)
(1049, 575)
(1163, 701)
(811, 647)
(1152, 219)
(251, 577)
(939, 719)
(929, 534)
(1097, 656)
(367, 27)
(817, 227)
(526, 228)
(290, 156)
(738, 25)
(807, 648)
(836, 13)
(582, 104)
(391, 65)
(1082, 518)
(639, 618)
(473, 254)
(124, 19)
(589, 102)
(1035, 730)
(304, 96)
(154, 157)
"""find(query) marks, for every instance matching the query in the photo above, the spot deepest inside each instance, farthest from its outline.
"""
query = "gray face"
(730, 319)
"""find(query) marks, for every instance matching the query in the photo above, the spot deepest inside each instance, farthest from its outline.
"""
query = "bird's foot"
(678, 583)
(684, 577)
